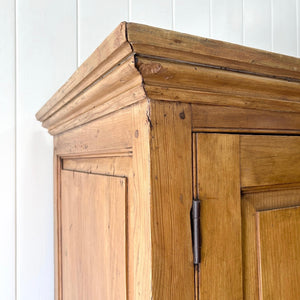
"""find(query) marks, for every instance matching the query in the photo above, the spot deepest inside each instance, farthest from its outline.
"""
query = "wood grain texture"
(153, 41)
(278, 246)
(251, 203)
(167, 73)
(112, 133)
(222, 118)
(104, 96)
(118, 102)
(112, 166)
(218, 177)
(100, 92)
(138, 61)
(218, 98)
(93, 220)
(140, 282)
(269, 160)
(171, 199)
(57, 167)
(131, 110)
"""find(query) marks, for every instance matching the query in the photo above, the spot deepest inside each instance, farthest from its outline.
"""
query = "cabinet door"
(249, 188)
(93, 236)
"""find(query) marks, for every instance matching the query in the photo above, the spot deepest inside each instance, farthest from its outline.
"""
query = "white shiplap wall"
(42, 43)
(7, 149)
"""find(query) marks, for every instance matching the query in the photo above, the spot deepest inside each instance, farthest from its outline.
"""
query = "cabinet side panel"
(171, 199)
(93, 236)
(218, 176)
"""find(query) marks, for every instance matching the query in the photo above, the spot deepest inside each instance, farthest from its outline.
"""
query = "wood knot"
(177, 41)
(182, 115)
(147, 69)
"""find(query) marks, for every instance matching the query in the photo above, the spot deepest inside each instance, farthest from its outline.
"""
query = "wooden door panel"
(246, 183)
(279, 253)
(252, 203)
(218, 188)
(93, 236)
(269, 160)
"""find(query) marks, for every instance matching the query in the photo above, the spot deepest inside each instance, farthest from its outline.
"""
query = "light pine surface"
(269, 160)
(171, 194)
(140, 275)
(234, 119)
(136, 62)
(218, 188)
(175, 120)
(278, 248)
(253, 203)
(93, 236)
(51, 33)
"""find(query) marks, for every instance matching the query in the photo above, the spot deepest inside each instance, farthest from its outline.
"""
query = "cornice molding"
(137, 62)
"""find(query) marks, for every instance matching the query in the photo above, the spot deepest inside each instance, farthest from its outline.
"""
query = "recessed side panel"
(279, 253)
(93, 236)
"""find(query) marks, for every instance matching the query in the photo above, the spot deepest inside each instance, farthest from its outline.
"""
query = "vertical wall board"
(157, 13)
(46, 57)
(96, 20)
(7, 149)
(258, 24)
(227, 20)
(285, 27)
(192, 16)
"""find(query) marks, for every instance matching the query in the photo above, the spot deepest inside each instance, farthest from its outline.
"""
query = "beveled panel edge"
(118, 166)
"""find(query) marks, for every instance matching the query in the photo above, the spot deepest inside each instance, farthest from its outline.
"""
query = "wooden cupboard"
(153, 122)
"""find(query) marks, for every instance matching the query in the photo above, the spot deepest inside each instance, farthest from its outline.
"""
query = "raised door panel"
(260, 213)
(269, 160)
(249, 190)
(93, 236)
(278, 249)
(270, 186)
